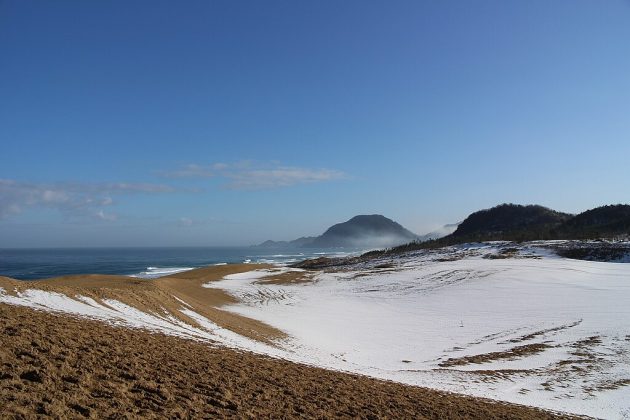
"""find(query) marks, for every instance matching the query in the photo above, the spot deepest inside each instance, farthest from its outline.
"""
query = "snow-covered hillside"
(515, 324)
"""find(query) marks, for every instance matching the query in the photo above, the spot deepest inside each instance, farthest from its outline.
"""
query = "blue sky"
(231, 122)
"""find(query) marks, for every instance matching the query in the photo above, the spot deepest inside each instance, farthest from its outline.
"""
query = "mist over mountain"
(362, 231)
(440, 232)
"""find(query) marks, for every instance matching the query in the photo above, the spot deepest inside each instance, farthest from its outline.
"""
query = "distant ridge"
(515, 222)
(299, 243)
(361, 231)
(505, 222)
(510, 221)
(604, 221)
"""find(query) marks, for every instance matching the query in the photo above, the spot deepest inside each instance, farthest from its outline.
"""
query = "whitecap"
(154, 272)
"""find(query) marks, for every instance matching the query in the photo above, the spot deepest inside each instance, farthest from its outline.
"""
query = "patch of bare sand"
(162, 295)
(59, 366)
(513, 353)
(188, 287)
(545, 332)
(288, 278)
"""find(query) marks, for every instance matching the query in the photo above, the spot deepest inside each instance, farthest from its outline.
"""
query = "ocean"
(32, 264)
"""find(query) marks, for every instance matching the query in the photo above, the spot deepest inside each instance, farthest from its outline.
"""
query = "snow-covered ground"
(117, 313)
(512, 323)
(551, 332)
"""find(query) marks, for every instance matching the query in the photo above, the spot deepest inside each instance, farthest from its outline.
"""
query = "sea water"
(31, 264)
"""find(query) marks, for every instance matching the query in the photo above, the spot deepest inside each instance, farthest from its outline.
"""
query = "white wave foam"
(283, 255)
(154, 272)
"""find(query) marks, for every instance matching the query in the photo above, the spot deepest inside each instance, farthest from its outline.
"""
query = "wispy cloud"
(124, 187)
(283, 176)
(105, 216)
(77, 199)
(196, 171)
(249, 175)
(185, 222)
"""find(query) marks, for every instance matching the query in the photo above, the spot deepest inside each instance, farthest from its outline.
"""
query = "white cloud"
(279, 177)
(105, 216)
(185, 222)
(123, 187)
(77, 199)
(254, 176)
(191, 171)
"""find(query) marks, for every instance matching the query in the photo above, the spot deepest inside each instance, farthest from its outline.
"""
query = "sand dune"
(60, 366)
(163, 297)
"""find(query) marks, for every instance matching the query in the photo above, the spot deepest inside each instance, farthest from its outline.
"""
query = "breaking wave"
(154, 272)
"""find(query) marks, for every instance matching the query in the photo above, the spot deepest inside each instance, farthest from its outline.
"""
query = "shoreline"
(34, 264)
